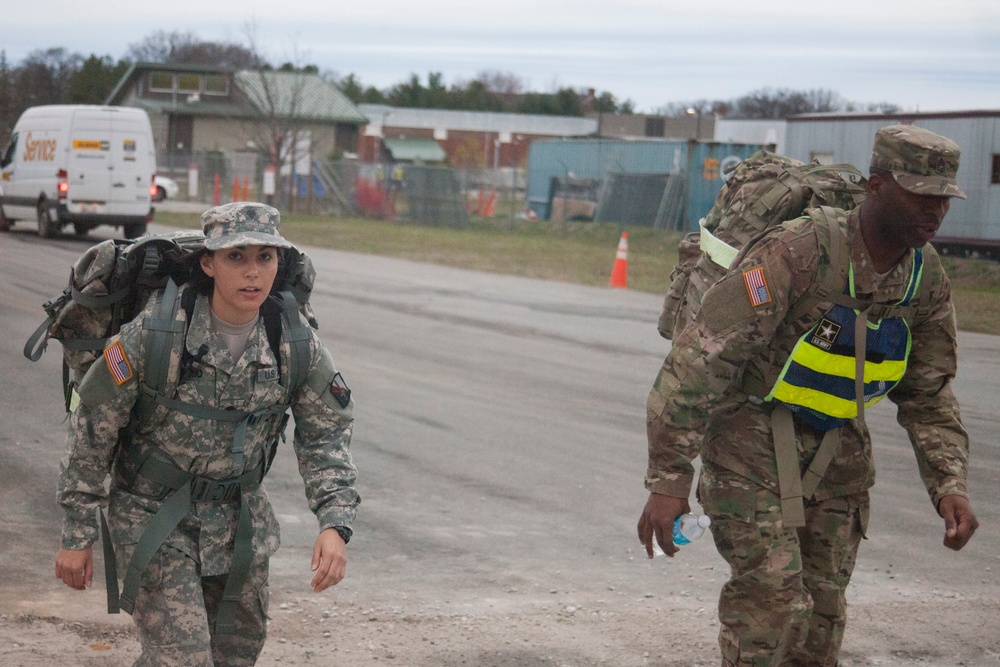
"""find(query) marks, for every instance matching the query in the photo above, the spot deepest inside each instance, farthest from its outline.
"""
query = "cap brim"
(244, 239)
(938, 186)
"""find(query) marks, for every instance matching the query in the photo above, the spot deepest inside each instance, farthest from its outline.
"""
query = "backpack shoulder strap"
(833, 277)
(161, 328)
(296, 333)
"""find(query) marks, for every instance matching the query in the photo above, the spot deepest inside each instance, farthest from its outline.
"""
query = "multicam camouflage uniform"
(784, 604)
(181, 589)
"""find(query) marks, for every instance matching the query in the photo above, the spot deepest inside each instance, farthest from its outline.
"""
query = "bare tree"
(501, 83)
(277, 95)
(781, 103)
(186, 48)
(44, 76)
(161, 46)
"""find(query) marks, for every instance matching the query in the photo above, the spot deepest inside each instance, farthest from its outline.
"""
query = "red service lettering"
(39, 150)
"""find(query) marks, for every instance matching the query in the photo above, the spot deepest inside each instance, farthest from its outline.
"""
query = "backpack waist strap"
(186, 488)
(793, 489)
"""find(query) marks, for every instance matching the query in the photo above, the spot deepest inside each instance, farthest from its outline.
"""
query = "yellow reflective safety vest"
(817, 383)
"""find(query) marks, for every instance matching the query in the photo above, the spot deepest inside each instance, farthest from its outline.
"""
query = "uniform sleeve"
(107, 393)
(927, 408)
(738, 319)
(323, 412)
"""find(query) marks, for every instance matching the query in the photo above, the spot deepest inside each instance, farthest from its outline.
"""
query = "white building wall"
(752, 132)
(977, 134)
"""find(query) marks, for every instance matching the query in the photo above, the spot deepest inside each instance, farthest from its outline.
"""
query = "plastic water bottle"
(687, 528)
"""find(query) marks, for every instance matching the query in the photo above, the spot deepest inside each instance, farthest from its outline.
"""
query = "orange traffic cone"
(619, 273)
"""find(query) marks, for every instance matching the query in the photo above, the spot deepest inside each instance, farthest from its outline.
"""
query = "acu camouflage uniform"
(181, 589)
(784, 603)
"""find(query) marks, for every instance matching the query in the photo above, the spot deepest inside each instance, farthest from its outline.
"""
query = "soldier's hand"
(329, 560)
(960, 521)
(657, 521)
(75, 568)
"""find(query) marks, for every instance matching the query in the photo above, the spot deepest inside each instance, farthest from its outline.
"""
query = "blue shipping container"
(701, 165)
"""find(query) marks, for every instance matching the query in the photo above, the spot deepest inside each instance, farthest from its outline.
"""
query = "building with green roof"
(239, 117)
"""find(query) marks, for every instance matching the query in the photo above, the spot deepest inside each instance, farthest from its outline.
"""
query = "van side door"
(89, 164)
(133, 164)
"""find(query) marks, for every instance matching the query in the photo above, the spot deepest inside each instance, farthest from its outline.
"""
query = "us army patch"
(825, 334)
(267, 375)
(339, 390)
(121, 369)
(757, 286)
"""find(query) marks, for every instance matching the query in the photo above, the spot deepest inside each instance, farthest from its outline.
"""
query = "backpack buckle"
(215, 490)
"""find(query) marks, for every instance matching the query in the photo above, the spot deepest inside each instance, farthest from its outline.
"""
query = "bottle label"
(679, 538)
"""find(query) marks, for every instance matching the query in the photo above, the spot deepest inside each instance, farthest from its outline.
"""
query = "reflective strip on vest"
(817, 381)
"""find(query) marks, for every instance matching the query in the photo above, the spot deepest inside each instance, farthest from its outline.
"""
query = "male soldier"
(738, 390)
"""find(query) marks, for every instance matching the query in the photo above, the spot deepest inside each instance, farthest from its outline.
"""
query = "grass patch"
(573, 252)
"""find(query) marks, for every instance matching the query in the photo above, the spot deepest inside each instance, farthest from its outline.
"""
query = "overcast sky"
(926, 55)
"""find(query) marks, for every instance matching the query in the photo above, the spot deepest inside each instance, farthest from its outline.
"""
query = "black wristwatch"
(344, 532)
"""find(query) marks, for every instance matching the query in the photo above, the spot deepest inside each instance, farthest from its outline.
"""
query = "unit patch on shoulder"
(339, 390)
(121, 369)
(757, 286)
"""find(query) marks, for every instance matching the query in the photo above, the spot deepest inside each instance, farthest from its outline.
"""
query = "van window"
(8, 155)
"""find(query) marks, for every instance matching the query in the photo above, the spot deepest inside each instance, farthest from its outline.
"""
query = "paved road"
(500, 439)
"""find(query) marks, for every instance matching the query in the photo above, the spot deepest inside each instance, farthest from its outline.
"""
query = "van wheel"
(134, 230)
(81, 228)
(47, 227)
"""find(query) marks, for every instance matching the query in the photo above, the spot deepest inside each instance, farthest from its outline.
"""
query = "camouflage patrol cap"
(922, 162)
(240, 224)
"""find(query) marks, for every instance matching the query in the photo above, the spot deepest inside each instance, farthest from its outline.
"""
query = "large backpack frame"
(761, 192)
(111, 282)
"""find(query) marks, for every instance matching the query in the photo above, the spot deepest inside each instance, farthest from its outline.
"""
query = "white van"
(79, 164)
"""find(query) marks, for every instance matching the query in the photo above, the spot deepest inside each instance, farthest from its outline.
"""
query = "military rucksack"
(761, 192)
(111, 282)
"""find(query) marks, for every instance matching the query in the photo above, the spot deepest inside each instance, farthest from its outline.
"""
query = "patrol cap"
(242, 223)
(922, 162)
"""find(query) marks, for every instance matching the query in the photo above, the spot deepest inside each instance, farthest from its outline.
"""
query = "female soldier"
(191, 525)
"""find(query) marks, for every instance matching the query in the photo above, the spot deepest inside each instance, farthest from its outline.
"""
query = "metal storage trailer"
(700, 164)
(848, 138)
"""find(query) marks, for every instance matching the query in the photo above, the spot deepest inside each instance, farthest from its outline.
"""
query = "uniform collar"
(200, 333)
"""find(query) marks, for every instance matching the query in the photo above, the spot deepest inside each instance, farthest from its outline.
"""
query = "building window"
(995, 177)
(216, 84)
(188, 83)
(161, 82)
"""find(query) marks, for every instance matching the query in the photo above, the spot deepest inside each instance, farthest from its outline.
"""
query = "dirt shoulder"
(304, 632)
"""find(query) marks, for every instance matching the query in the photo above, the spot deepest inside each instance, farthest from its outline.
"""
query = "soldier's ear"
(875, 184)
(206, 264)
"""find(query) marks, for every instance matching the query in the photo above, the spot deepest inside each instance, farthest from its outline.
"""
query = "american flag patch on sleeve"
(757, 287)
(119, 366)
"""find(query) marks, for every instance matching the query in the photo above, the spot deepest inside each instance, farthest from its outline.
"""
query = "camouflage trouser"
(175, 613)
(783, 605)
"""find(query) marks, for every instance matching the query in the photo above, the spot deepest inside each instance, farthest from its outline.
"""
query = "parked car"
(164, 188)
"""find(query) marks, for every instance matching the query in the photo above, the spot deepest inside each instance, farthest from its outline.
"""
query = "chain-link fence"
(419, 194)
